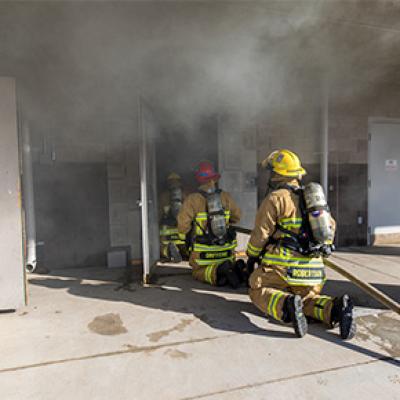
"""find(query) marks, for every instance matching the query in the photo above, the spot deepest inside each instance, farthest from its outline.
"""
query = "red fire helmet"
(205, 172)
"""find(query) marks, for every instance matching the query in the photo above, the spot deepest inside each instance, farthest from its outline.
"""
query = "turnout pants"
(269, 290)
(205, 259)
(204, 273)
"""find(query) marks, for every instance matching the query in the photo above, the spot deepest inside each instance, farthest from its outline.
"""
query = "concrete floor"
(97, 334)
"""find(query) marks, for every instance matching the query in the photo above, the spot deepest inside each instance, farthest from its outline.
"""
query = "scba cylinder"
(217, 215)
(319, 215)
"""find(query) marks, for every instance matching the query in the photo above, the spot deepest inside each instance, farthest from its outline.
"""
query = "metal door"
(149, 132)
(12, 271)
(384, 179)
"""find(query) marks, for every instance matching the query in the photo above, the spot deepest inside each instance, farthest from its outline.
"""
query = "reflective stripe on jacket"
(214, 254)
(281, 207)
(194, 214)
(170, 234)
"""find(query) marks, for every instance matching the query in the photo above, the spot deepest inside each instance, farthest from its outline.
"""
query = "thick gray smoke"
(81, 65)
(262, 66)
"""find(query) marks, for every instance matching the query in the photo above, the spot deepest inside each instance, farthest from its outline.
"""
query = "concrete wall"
(299, 129)
(72, 213)
(104, 171)
(123, 194)
(12, 279)
(348, 145)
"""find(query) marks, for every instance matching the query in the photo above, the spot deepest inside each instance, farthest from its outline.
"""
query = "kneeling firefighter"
(293, 231)
(204, 221)
(172, 247)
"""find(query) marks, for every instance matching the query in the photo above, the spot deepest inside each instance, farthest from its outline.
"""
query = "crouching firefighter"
(204, 221)
(172, 247)
(293, 232)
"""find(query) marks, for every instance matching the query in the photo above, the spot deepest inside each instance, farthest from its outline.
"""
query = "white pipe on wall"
(324, 142)
(29, 199)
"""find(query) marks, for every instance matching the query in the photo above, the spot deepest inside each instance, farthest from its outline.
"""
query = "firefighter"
(287, 286)
(172, 247)
(204, 220)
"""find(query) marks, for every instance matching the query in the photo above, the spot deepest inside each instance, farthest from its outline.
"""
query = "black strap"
(294, 240)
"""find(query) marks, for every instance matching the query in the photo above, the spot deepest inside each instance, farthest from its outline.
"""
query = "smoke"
(82, 65)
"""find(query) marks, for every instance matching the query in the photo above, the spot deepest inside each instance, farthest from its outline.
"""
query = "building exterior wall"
(300, 131)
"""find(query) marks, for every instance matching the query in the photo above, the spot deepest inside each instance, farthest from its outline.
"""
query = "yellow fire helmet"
(173, 176)
(284, 162)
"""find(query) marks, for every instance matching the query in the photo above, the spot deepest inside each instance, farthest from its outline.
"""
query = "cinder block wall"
(348, 146)
(71, 201)
(348, 169)
(300, 131)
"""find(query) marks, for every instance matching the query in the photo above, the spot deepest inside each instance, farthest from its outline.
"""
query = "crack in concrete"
(130, 350)
(287, 378)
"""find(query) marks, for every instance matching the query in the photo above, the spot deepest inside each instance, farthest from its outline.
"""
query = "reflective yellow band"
(201, 214)
(215, 255)
(276, 259)
(319, 307)
(253, 250)
(290, 220)
(168, 231)
(208, 274)
(272, 308)
(213, 262)
(205, 248)
(182, 236)
(305, 276)
(302, 271)
(166, 242)
(204, 215)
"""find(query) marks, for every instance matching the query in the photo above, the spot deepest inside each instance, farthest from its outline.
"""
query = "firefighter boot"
(227, 275)
(342, 313)
(240, 269)
(173, 253)
(293, 312)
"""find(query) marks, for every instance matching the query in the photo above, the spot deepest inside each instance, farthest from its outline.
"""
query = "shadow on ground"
(175, 290)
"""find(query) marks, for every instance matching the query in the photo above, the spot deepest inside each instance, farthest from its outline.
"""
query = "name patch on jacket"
(306, 273)
(215, 255)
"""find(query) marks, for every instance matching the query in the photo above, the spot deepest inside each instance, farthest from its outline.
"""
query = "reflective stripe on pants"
(268, 291)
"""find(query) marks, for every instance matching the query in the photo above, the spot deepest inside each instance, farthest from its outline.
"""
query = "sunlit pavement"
(94, 334)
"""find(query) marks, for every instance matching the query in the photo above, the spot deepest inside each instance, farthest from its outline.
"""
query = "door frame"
(145, 196)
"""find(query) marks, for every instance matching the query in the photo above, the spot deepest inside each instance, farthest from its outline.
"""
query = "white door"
(149, 131)
(12, 270)
(384, 180)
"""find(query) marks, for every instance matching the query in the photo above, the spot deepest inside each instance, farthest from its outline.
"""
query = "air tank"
(175, 201)
(217, 214)
(318, 213)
